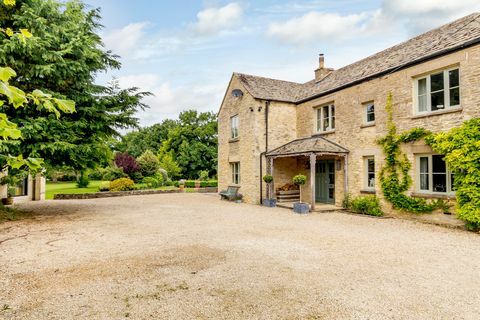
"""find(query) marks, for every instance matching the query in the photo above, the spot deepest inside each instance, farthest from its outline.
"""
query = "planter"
(270, 203)
(7, 201)
(301, 207)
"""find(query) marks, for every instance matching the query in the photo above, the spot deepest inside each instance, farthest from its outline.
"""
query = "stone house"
(327, 128)
(32, 188)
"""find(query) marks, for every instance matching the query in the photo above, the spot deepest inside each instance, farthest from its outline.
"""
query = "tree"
(62, 58)
(149, 163)
(168, 164)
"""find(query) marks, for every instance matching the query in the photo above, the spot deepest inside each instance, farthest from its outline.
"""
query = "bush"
(122, 184)
(153, 182)
(190, 184)
(96, 174)
(176, 184)
(203, 175)
(83, 181)
(112, 173)
(136, 176)
(164, 174)
(169, 183)
(148, 163)
(168, 163)
(299, 180)
(369, 205)
(104, 186)
(127, 163)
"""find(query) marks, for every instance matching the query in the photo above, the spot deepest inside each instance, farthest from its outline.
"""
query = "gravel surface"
(192, 256)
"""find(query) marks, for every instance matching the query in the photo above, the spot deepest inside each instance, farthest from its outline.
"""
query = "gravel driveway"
(192, 256)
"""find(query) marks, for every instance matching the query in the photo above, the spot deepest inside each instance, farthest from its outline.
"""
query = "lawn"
(69, 188)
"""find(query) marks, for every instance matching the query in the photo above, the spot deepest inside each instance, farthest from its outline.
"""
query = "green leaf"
(67, 106)
(6, 73)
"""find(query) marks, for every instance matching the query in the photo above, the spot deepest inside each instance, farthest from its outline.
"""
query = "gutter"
(267, 107)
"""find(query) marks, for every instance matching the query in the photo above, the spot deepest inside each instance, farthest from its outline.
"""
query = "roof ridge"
(266, 78)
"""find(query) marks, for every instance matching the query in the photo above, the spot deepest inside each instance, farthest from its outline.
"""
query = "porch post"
(345, 173)
(271, 187)
(313, 160)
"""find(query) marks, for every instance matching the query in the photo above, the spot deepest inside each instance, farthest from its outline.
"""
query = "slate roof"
(443, 40)
(307, 145)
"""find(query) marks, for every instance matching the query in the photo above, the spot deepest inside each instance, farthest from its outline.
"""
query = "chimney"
(321, 72)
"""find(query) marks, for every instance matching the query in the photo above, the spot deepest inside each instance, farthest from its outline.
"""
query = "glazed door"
(325, 181)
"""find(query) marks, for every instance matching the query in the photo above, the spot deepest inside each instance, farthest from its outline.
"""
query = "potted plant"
(181, 185)
(300, 207)
(9, 181)
(269, 202)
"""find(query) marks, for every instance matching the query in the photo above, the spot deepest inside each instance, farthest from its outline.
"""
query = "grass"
(11, 214)
(69, 188)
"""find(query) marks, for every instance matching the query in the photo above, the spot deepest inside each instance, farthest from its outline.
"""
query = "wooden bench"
(230, 194)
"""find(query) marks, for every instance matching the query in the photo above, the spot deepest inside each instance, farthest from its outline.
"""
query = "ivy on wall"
(461, 147)
(394, 177)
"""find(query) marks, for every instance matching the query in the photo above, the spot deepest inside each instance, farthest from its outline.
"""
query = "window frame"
(428, 91)
(365, 106)
(235, 171)
(234, 130)
(449, 192)
(366, 173)
(320, 117)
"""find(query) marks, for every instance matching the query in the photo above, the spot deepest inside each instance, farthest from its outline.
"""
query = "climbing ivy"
(394, 177)
(461, 147)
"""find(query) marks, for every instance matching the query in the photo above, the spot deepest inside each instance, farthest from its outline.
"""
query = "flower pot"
(301, 207)
(270, 203)
(7, 201)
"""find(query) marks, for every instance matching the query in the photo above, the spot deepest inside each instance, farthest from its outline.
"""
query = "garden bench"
(230, 194)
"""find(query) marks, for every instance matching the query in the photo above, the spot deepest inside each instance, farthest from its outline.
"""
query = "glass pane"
(422, 86)
(453, 77)
(424, 165)
(371, 165)
(326, 112)
(439, 182)
(452, 180)
(436, 82)
(438, 100)
(422, 103)
(424, 183)
(371, 180)
(325, 125)
(438, 164)
(454, 97)
(333, 118)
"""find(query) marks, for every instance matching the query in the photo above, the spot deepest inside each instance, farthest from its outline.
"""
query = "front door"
(325, 181)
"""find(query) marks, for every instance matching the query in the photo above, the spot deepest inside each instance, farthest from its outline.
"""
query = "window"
(369, 168)
(234, 126)
(20, 189)
(438, 91)
(235, 167)
(369, 111)
(326, 118)
(433, 175)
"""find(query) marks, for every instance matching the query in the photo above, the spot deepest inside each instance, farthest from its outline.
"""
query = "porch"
(323, 162)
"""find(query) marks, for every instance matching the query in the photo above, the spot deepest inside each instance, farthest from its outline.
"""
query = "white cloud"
(317, 26)
(169, 100)
(124, 41)
(215, 20)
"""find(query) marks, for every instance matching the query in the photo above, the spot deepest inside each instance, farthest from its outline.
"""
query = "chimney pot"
(321, 61)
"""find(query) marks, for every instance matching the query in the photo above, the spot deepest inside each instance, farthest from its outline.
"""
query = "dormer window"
(326, 118)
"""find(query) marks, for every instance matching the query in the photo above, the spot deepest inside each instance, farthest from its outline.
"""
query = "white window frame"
(234, 126)
(366, 173)
(235, 169)
(446, 91)
(320, 116)
(430, 173)
(365, 112)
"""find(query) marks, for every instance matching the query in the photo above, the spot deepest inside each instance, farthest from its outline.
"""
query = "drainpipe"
(267, 105)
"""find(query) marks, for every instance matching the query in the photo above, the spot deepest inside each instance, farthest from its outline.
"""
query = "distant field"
(69, 188)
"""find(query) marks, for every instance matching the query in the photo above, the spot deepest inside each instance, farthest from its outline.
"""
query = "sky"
(185, 51)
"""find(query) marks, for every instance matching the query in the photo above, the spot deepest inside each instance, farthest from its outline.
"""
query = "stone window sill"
(234, 140)
(437, 113)
(323, 133)
(434, 196)
(367, 125)
(367, 191)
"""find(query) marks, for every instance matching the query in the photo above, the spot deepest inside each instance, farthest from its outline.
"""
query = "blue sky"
(185, 51)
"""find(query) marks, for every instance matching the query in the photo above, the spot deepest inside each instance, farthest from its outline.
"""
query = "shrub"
(190, 184)
(203, 175)
(153, 182)
(104, 186)
(176, 184)
(96, 174)
(112, 173)
(136, 176)
(148, 163)
(164, 174)
(369, 205)
(299, 180)
(268, 178)
(168, 163)
(169, 183)
(212, 183)
(122, 184)
(83, 181)
(127, 163)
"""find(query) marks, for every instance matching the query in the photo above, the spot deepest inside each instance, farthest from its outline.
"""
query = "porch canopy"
(307, 146)
(310, 147)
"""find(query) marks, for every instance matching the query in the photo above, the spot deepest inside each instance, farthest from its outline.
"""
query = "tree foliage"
(149, 164)
(62, 59)
(127, 163)
(461, 147)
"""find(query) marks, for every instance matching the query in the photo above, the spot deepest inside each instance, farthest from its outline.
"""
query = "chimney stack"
(321, 72)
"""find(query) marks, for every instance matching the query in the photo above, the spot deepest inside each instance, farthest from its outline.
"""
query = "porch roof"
(303, 146)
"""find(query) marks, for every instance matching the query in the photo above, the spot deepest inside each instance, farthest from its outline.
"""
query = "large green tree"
(63, 58)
